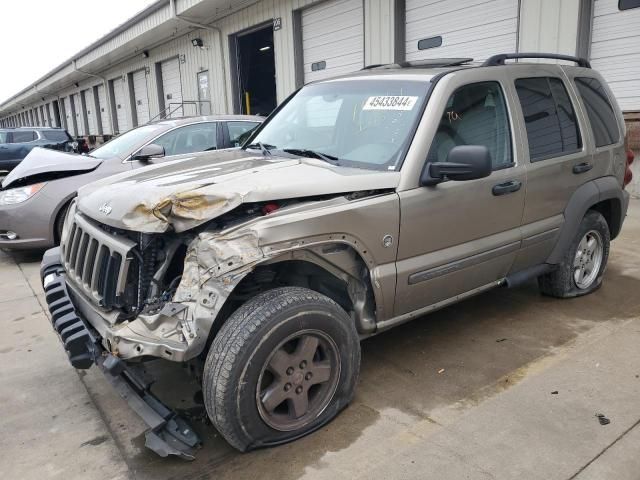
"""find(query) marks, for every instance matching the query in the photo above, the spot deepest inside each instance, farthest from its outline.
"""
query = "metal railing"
(174, 107)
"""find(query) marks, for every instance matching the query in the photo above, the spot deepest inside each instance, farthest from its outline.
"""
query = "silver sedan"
(37, 193)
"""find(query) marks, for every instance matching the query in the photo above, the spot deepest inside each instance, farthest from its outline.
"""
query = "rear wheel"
(583, 266)
(283, 365)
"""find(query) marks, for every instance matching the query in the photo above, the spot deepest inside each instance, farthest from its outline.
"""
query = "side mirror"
(464, 162)
(148, 152)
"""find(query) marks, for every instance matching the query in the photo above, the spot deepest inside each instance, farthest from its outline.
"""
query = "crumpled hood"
(42, 161)
(186, 193)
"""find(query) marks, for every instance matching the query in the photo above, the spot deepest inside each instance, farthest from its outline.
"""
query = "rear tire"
(584, 263)
(283, 365)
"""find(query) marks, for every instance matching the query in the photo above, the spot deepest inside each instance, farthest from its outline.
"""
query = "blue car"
(16, 143)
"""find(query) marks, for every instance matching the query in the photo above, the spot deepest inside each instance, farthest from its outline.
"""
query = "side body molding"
(586, 196)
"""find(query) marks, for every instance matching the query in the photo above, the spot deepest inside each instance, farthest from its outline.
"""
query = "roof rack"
(496, 60)
(429, 63)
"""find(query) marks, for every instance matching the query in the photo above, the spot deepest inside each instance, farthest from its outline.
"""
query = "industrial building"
(185, 57)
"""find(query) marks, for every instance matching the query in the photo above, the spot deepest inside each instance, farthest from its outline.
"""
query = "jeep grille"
(95, 260)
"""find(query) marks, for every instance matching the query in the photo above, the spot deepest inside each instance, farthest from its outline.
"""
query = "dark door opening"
(256, 88)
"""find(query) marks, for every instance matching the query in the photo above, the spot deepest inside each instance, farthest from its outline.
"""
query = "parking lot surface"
(504, 385)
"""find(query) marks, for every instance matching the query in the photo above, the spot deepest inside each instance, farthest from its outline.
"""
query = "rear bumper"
(169, 434)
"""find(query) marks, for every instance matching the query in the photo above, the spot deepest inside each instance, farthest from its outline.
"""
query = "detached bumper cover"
(169, 434)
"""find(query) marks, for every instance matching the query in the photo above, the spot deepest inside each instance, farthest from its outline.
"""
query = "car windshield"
(3, 137)
(363, 123)
(127, 143)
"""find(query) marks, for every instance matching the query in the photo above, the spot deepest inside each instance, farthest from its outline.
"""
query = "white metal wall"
(558, 32)
(469, 28)
(332, 38)
(615, 50)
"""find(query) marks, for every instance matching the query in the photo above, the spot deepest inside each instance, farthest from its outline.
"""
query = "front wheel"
(583, 266)
(283, 365)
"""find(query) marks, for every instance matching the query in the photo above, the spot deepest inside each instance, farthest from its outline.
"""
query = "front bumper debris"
(169, 434)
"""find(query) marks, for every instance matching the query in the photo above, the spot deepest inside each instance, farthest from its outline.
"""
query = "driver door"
(458, 237)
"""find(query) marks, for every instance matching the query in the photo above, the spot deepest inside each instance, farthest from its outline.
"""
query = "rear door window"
(549, 116)
(599, 110)
(198, 137)
(24, 136)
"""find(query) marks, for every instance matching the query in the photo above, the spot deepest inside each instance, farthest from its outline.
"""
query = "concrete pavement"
(467, 392)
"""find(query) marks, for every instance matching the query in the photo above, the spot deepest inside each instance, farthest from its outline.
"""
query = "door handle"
(507, 187)
(582, 167)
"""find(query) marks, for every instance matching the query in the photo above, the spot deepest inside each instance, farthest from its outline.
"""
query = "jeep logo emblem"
(105, 208)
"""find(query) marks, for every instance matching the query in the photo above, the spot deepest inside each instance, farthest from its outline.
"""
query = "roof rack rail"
(428, 63)
(496, 60)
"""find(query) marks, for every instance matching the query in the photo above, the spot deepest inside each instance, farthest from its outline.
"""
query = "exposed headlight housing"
(20, 194)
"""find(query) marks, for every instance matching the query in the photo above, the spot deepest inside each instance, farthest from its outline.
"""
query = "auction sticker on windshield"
(390, 102)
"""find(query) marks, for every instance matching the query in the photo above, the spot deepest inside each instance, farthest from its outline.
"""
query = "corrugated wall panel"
(379, 31)
(556, 34)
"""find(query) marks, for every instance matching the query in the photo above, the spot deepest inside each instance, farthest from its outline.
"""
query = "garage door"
(79, 115)
(68, 116)
(172, 87)
(141, 96)
(615, 50)
(332, 39)
(121, 106)
(47, 111)
(104, 111)
(465, 28)
(91, 111)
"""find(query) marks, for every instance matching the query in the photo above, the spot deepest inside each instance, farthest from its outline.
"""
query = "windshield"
(362, 123)
(127, 143)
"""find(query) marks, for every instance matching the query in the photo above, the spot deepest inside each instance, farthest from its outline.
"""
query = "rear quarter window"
(549, 117)
(602, 118)
(24, 136)
(56, 135)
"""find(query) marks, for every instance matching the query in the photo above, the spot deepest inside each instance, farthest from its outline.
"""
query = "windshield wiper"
(304, 152)
(266, 149)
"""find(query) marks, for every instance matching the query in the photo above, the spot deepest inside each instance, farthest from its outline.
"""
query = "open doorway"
(256, 72)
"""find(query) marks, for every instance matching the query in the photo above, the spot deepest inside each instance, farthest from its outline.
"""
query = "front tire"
(283, 365)
(584, 263)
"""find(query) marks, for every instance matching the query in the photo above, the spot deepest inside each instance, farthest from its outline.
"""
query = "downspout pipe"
(106, 93)
(212, 28)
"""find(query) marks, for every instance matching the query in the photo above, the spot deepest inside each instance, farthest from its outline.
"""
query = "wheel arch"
(603, 195)
(336, 270)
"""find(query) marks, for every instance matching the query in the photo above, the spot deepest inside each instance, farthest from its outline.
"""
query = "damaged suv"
(363, 202)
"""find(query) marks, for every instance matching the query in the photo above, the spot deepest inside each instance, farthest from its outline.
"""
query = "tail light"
(628, 175)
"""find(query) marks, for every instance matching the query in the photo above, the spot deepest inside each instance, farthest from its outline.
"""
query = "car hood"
(183, 194)
(41, 163)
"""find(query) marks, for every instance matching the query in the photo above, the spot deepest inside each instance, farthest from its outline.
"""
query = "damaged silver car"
(364, 202)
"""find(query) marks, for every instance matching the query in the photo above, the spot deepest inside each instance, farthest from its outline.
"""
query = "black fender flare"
(585, 197)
